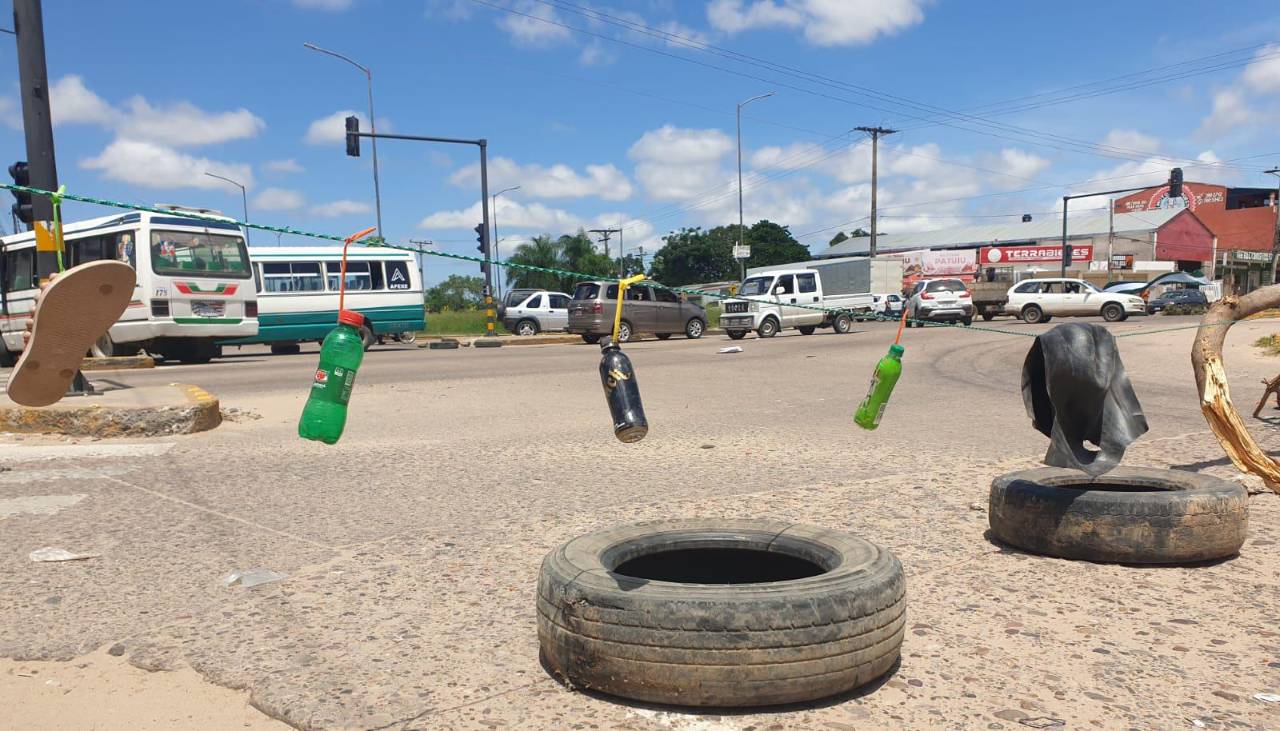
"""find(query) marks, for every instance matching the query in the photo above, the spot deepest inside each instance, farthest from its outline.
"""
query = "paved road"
(412, 546)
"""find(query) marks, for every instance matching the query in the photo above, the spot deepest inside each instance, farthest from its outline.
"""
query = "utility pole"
(1275, 238)
(876, 133)
(605, 233)
(1111, 233)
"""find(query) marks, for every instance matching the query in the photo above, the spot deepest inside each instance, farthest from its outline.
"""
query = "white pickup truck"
(786, 298)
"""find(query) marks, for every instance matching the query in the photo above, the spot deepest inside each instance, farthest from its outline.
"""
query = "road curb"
(136, 412)
(127, 362)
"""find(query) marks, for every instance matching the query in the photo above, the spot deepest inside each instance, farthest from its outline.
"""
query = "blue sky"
(628, 118)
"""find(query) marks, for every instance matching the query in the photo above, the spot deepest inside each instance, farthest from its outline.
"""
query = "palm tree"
(541, 251)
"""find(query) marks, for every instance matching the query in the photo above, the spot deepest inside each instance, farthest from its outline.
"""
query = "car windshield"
(755, 286)
(194, 254)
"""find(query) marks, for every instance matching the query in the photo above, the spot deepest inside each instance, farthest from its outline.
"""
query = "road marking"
(18, 477)
(16, 453)
(37, 504)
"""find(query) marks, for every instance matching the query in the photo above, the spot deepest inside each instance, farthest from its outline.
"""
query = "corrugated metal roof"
(959, 237)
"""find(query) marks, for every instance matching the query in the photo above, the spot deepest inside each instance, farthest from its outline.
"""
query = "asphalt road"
(412, 546)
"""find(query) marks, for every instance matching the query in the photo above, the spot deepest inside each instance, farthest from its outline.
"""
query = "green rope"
(374, 241)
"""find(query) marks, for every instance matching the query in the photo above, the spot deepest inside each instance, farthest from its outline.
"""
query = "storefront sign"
(929, 264)
(1007, 255)
(1261, 257)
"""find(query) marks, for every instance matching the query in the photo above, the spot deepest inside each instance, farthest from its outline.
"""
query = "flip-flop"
(74, 311)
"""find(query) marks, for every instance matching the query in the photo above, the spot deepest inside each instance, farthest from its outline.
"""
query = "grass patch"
(462, 322)
(1269, 343)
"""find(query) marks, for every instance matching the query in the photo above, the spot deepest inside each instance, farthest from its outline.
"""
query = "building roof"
(960, 237)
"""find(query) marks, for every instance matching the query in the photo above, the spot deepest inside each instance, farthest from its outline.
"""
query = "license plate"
(207, 309)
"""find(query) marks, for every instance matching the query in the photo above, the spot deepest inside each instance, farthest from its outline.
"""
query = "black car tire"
(663, 336)
(694, 328)
(624, 332)
(1032, 314)
(590, 338)
(842, 324)
(1112, 312)
(988, 316)
(286, 348)
(967, 321)
(526, 327)
(720, 645)
(806, 329)
(1166, 516)
(768, 328)
(736, 334)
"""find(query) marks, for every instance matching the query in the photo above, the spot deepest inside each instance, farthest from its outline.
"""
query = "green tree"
(839, 238)
(457, 292)
(694, 256)
(541, 251)
(578, 253)
(772, 244)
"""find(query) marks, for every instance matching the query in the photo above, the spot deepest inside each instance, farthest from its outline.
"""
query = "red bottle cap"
(350, 317)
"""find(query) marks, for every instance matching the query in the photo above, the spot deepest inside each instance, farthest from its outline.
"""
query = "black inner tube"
(719, 566)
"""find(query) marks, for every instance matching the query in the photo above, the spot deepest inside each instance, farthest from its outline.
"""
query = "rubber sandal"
(74, 310)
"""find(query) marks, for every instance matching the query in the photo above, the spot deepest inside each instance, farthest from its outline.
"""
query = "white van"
(194, 283)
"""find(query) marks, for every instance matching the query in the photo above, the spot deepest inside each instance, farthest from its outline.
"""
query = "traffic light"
(353, 136)
(481, 239)
(1175, 183)
(21, 175)
(1066, 256)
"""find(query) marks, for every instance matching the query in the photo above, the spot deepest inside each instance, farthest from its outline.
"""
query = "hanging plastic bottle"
(325, 415)
(619, 379)
(623, 394)
(888, 370)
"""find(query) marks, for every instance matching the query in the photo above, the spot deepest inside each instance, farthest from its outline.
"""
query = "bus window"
(19, 267)
(306, 276)
(276, 277)
(182, 253)
(80, 251)
(359, 276)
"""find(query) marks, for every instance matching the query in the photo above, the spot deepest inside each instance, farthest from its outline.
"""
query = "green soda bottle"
(325, 414)
(871, 410)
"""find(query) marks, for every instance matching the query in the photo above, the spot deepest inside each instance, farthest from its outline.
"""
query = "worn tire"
(720, 645)
(842, 324)
(1187, 517)
(1032, 314)
(768, 328)
(1112, 312)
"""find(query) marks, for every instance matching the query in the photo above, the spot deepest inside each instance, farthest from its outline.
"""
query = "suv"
(647, 309)
(939, 300)
(537, 312)
(513, 297)
(1038, 300)
(1186, 297)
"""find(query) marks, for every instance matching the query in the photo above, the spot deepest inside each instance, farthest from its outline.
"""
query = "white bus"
(298, 293)
(194, 285)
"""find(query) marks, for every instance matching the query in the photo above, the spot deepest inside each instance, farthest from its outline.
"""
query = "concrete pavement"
(412, 546)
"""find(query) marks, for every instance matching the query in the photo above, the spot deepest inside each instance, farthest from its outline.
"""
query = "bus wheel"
(285, 348)
(105, 347)
(367, 336)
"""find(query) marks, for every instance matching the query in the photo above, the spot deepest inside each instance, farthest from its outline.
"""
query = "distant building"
(1242, 219)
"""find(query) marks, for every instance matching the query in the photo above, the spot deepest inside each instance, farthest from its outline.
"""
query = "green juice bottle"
(871, 410)
(325, 415)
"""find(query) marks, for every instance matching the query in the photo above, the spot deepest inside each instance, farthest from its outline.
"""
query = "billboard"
(1010, 255)
(926, 264)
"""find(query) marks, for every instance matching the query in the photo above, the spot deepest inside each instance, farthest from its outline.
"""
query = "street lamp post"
(1275, 238)
(373, 128)
(244, 198)
(496, 252)
(743, 262)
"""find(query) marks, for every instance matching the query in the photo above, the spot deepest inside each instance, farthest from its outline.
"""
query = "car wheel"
(988, 316)
(736, 334)
(694, 328)
(842, 324)
(1032, 314)
(526, 328)
(967, 321)
(590, 338)
(768, 328)
(806, 329)
(1112, 312)
(663, 336)
(285, 348)
(624, 332)
(105, 347)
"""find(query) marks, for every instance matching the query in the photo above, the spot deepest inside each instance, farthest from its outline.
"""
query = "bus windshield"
(197, 254)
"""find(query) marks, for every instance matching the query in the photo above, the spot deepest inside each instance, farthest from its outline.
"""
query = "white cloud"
(71, 102)
(10, 113)
(673, 163)
(333, 128)
(1019, 164)
(337, 208)
(1230, 110)
(183, 123)
(511, 214)
(151, 165)
(824, 22)
(917, 162)
(331, 6)
(1131, 140)
(282, 167)
(556, 181)
(1263, 75)
(532, 30)
(596, 53)
(279, 199)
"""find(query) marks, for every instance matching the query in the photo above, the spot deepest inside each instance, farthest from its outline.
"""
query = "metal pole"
(373, 125)
(1111, 234)
(1275, 240)
(1063, 254)
(488, 245)
(876, 133)
(244, 198)
(740, 218)
(496, 250)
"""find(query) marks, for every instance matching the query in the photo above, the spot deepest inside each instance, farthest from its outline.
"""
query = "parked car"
(889, 305)
(939, 300)
(513, 297)
(768, 301)
(1189, 297)
(648, 309)
(538, 312)
(1038, 300)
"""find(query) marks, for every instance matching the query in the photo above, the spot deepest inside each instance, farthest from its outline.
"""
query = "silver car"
(538, 312)
(647, 309)
(939, 300)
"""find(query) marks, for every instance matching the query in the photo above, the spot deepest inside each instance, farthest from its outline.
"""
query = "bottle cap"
(897, 350)
(350, 317)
